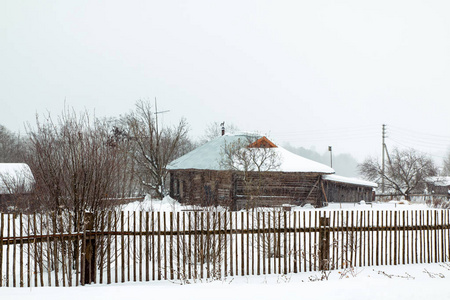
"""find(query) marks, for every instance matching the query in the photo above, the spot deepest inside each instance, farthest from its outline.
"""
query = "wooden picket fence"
(49, 250)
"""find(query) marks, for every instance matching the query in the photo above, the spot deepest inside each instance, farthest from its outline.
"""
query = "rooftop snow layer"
(439, 180)
(209, 156)
(347, 180)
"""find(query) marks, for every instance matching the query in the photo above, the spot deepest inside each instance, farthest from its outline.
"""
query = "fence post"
(324, 243)
(89, 257)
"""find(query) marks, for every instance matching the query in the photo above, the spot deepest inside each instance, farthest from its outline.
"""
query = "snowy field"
(424, 281)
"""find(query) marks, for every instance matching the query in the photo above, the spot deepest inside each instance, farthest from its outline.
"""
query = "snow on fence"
(45, 250)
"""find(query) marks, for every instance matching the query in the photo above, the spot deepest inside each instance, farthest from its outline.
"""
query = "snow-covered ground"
(169, 204)
(424, 281)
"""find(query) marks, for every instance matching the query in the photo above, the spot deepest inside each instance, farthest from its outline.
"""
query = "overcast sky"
(312, 73)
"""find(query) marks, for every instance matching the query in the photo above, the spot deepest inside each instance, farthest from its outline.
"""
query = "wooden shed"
(343, 189)
(201, 178)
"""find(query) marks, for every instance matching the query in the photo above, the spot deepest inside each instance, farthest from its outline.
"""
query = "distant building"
(200, 177)
(16, 185)
(438, 185)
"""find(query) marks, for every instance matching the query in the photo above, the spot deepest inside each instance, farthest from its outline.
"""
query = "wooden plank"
(122, 247)
(416, 237)
(225, 241)
(196, 245)
(116, 250)
(147, 249)
(63, 251)
(135, 263)
(41, 261)
(285, 269)
(36, 257)
(7, 250)
(377, 248)
(14, 251)
(269, 250)
(69, 251)
(21, 250)
(360, 233)
(296, 258)
(258, 244)
(190, 246)
(128, 248)
(1, 248)
(158, 246)
(369, 238)
(171, 246)
(49, 268)
(236, 238)
(218, 260)
(436, 248)
(304, 242)
(363, 244)
(207, 245)
(141, 225)
(373, 245)
(442, 237)
(264, 242)
(108, 250)
(422, 237)
(405, 240)
(315, 245)
(101, 251)
(353, 240)
(153, 222)
(385, 240)
(428, 237)
(165, 245)
(178, 246)
(390, 238)
(55, 250)
(202, 250)
(242, 245)
(252, 246)
(186, 260)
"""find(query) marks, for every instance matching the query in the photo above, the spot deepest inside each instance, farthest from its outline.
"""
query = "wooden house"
(16, 184)
(200, 177)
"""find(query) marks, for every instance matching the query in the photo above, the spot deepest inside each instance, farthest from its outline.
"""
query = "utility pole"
(383, 147)
(331, 156)
(157, 144)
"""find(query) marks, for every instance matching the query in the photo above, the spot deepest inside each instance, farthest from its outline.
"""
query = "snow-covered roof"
(439, 180)
(210, 155)
(14, 176)
(348, 180)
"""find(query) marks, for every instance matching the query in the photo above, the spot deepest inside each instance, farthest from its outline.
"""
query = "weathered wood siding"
(237, 191)
(344, 192)
(203, 188)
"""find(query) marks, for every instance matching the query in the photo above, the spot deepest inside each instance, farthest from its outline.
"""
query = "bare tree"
(74, 166)
(11, 146)
(446, 166)
(214, 130)
(154, 147)
(404, 173)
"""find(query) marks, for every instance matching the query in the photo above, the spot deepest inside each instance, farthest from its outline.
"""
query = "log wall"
(238, 190)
